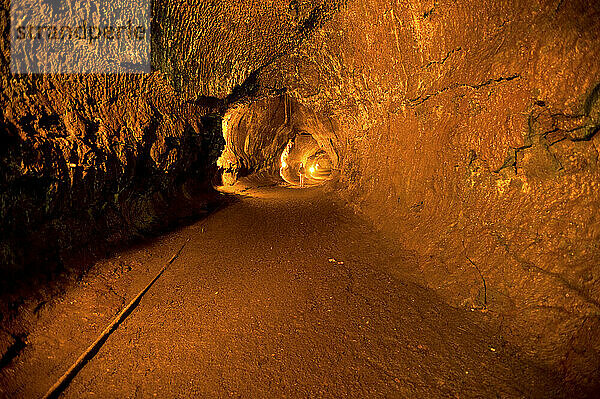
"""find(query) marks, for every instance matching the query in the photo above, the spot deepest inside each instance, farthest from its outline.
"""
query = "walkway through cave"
(283, 293)
(408, 199)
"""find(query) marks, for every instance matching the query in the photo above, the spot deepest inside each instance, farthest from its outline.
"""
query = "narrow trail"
(284, 293)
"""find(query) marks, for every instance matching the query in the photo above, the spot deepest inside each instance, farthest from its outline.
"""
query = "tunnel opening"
(280, 138)
(304, 163)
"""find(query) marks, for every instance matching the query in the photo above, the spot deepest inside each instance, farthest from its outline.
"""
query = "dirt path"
(282, 294)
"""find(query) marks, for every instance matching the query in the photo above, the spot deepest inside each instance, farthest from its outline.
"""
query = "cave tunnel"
(276, 137)
(300, 198)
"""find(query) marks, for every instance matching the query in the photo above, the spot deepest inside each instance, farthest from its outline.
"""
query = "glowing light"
(312, 169)
(283, 164)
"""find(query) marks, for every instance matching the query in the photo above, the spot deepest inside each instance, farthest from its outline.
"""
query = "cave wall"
(86, 157)
(255, 135)
(469, 130)
(217, 49)
(110, 156)
(466, 129)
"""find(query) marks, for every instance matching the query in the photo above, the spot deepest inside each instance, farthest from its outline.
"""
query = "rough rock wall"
(466, 128)
(469, 129)
(217, 48)
(88, 156)
(96, 156)
(255, 135)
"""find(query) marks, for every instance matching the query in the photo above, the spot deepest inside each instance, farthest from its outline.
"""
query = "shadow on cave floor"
(282, 293)
(25, 292)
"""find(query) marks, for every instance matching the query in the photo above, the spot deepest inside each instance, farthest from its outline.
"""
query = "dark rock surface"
(80, 160)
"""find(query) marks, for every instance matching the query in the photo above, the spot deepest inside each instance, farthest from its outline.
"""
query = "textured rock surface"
(217, 48)
(468, 129)
(87, 152)
(84, 157)
(255, 136)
